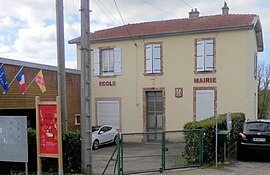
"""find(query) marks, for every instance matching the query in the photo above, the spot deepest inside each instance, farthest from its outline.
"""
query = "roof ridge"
(172, 26)
(168, 20)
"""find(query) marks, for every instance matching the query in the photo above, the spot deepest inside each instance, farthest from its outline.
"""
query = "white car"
(104, 134)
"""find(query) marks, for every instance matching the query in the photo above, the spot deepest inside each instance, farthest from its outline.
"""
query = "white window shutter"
(156, 58)
(204, 104)
(117, 61)
(200, 56)
(108, 112)
(209, 55)
(148, 58)
(96, 63)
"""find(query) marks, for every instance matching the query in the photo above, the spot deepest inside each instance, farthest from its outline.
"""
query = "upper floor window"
(255, 65)
(107, 62)
(153, 58)
(205, 55)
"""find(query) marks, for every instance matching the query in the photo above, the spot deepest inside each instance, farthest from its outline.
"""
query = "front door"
(154, 114)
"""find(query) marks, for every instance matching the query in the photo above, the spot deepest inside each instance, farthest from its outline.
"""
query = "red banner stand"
(49, 132)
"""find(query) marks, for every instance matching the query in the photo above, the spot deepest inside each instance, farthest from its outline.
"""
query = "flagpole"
(4, 89)
(15, 76)
(31, 82)
(0, 68)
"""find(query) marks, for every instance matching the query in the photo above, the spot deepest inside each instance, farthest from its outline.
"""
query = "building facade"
(13, 103)
(157, 76)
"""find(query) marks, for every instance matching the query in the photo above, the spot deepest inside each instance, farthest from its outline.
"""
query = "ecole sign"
(107, 83)
(205, 80)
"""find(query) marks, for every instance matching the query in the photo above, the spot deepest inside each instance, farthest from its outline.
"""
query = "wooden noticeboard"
(49, 132)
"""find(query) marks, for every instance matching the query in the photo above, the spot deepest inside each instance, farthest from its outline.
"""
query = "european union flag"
(3, 79)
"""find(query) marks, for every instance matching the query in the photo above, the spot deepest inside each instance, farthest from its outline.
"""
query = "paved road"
(102, 155)
(236, 168)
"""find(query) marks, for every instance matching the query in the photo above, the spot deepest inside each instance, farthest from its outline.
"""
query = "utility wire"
(189, 5)
(105, 12)
(119, 12)
(160, 9)
(117, 20)
(123, 21)
(77, 26)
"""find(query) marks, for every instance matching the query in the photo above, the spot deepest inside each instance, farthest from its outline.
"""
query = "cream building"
(156, 76)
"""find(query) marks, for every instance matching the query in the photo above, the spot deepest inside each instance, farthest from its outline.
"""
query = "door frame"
(145, 90)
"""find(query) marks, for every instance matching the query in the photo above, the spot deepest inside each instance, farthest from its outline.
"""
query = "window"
(204, 56)
(257, 127)
(108, 113)
(77, 119)
(205, 103)
(107, 62)
(153, 58)
(106, 129)
(255, 65)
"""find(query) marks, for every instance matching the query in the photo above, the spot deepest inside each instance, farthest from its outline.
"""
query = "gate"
(136, 155)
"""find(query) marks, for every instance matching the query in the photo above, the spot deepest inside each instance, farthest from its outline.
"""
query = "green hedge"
(71, 156)
(190, 153)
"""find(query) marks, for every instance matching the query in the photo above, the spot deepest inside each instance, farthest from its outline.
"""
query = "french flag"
(21, 80)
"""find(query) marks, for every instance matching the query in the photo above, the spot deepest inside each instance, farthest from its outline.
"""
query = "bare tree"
(263, 90)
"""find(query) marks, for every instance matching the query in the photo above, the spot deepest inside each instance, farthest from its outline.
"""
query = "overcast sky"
(28, 28)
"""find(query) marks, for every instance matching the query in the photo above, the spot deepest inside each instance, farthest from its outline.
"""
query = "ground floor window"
(204, 103)
(108, 112)
(77, 118)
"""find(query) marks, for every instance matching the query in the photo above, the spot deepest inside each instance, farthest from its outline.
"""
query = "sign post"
(49, 132)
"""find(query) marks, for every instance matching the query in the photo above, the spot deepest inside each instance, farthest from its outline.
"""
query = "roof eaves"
(35, 65)
(258, 32)
(187, 32)
(74, 41)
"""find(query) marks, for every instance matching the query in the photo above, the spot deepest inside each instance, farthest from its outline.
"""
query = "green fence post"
(118, 152)
(122, 153)
(163, 152)
(201, 147)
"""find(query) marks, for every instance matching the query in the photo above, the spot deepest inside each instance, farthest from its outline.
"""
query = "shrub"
(209, 127)
(72, 152)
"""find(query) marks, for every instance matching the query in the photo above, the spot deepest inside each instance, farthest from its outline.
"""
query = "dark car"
(254, 141)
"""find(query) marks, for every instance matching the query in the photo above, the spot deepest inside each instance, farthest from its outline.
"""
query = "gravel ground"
(235, 168)
(102, 155)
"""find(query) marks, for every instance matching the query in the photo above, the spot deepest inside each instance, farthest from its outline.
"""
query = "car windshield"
(257, 127)
(95, 128)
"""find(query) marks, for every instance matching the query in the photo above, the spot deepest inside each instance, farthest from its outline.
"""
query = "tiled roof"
(169, 27)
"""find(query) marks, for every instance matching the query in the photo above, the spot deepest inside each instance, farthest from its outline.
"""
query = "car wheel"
(239, 155)
(95, 144)
(239, 152)
(115, 140)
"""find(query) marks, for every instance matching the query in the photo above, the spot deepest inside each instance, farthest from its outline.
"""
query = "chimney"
(194, 13)
(225, 9)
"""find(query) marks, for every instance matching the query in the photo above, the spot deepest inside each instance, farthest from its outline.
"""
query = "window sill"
(107, 76)
(205, 72)
(153, 74)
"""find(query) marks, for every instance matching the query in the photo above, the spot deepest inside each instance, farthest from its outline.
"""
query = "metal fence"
(157, 151)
